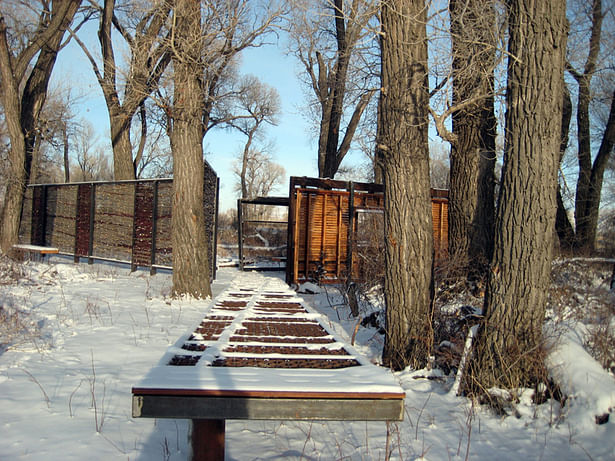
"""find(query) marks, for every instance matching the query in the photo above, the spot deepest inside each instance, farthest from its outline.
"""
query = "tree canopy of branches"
(146, 43)
(26, 63)
(258, 103)
(330, 42)
(257, 174)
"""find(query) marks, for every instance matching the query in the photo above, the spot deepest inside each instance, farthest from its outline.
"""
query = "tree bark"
(148, 62)
(22, 107)
(509, 342)
(190, 262)
(331, 87)
(597, 176)
(472, 158)
(583, 242)
(407, 220)
(563, 226)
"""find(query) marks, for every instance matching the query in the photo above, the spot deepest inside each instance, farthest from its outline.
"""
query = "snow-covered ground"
(81, 336)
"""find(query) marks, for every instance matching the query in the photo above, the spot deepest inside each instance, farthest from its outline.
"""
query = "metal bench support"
(207, 439)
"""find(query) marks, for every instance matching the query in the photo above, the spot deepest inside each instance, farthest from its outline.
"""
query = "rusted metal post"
(207, 439)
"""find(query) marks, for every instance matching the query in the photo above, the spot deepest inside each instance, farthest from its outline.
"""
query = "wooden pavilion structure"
(328, 221)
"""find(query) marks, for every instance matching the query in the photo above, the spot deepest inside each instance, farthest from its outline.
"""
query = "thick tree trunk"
(597, 176)
(123, 166)
(563, 226)
(472, 159)
(21, 111)
(17, 177)
(583, 200)
(509, 342)
(190, 262)
(407, 221)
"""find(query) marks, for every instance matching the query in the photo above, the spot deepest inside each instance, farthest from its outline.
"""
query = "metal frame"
(272, 201)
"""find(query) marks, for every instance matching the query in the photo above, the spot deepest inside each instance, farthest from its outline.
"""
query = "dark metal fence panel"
(125, 221)
(83, 220)
(113, 221)
(61, 213)
(143, 248)
(164, 256)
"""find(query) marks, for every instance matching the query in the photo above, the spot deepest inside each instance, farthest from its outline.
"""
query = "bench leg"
(207, 439)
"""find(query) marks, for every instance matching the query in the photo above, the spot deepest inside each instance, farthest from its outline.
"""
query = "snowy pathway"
(87, 334)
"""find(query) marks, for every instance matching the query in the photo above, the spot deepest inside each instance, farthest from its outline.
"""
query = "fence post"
(349, 248)
(152, 269)
(133, 265)
(215, 236)
(91, 227)
(240, 232)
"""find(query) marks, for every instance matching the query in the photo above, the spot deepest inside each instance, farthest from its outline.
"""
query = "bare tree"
(508, 347)
(439, 167)
(190, 260)
(590, 173)
(404, 152)
(257, 174)
(149, 58)
(90, 161)
(328, 41)
(258, 103)
(206, 39)
(57, 127)
(25, 73)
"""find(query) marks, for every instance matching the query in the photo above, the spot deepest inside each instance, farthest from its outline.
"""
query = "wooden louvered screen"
(325, 222)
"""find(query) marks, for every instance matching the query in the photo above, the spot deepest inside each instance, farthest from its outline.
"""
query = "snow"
(589, 387)
(87, 334)
(366, 378)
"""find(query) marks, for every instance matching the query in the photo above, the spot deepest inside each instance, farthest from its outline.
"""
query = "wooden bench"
(263, 354)
(36, 252)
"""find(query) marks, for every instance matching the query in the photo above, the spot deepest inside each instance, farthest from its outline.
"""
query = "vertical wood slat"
(308, 231)
(323, 247)
(349, 248)
(91, 226)
(338, 238)
(240, 232)
(38, 213)
(143, 224)
(296, 237)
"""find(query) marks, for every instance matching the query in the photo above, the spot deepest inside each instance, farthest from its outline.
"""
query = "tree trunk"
(66, 151)
(583, 199)
(190, 262)
(332, 93)
(508, 347)
(21, 111)
(123, 166)
(597, 176)
(563, 226)
(472, 159)
(407, 219)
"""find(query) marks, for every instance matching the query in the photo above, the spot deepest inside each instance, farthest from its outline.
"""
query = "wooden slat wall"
(318, 227)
